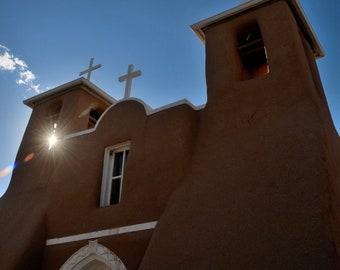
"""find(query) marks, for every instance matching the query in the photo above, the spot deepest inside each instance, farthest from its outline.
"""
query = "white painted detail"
(93, 254)
(148, 111)
(80, 133)
(102, 233)
(90, 69)
(128, 78)
(108, 177)
(177, 103)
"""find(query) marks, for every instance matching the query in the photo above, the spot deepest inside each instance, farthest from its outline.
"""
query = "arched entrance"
(95, 265)
(93, 256)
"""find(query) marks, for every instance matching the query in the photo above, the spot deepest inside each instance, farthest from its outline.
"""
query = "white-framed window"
(113, 172)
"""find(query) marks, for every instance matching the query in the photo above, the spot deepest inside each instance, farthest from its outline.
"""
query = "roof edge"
(30, 102)
(294, 5)
(198, 27)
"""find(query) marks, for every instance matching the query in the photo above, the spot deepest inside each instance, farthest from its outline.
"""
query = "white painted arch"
(93, 256)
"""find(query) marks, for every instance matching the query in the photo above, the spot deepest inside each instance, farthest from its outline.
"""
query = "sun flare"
(52, 141)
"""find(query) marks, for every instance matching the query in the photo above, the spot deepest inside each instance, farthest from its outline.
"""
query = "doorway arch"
(93, 256)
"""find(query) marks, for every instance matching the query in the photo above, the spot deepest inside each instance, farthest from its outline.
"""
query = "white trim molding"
(93, 252)
(102, 233)
(147, 108)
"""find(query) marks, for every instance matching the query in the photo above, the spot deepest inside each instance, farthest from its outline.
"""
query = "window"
(252, 52)
(113, 171)
(53, 117)
(93, 118)
(53, 122)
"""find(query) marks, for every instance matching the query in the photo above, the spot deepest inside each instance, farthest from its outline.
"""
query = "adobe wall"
(256, 194)
(24, 205)
(161, 147)
(22, 229)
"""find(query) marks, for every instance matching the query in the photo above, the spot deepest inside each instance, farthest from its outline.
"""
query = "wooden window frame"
(108, 177)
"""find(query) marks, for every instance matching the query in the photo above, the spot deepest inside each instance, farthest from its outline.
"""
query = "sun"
(52, 140)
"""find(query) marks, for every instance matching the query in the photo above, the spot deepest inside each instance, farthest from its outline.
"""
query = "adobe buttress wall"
(255, 193)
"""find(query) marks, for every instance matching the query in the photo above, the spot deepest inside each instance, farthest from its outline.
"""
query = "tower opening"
(93, 118)
(54, 115)
(252, 52)
(53, 119)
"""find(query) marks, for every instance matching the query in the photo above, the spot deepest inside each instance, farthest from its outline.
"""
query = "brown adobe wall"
(22, 229)
(257, 192)
(23, 206)
(63, 184)
(161, 146)
(75, 111)
(35, 140)
(331, 143)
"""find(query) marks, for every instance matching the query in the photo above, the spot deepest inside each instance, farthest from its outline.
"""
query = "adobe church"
(250, 180)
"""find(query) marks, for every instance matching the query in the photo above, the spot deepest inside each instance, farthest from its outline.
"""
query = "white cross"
(128, 78)
(90, 69)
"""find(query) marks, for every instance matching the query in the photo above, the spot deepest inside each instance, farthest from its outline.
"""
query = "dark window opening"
(53, 117)
(115, 191)
(93, 118)
(253, 53)
(119, 161)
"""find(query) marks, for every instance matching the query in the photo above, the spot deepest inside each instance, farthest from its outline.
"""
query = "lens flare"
(6, 171)
(29, 157)
(52, 141)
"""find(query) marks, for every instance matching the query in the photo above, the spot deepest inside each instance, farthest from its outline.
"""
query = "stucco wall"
(255, 196)
(161, 146)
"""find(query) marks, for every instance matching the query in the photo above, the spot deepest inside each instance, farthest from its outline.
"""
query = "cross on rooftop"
(128, 78)
(90, 69)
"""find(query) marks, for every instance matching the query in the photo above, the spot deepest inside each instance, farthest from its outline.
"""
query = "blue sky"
(46, 43)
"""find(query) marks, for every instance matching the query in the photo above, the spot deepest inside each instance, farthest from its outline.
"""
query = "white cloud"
(4, 47)
(35, 88)
(20, 63)
(26, 77)
(8, 62)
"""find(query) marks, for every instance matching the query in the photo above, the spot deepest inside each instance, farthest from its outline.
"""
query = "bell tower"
(259, 45)
(260, 192)
(70, 108)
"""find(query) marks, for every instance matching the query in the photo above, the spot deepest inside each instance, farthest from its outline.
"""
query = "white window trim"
(105, 193)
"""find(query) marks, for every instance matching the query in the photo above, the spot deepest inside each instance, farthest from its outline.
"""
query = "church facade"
(250, 180)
